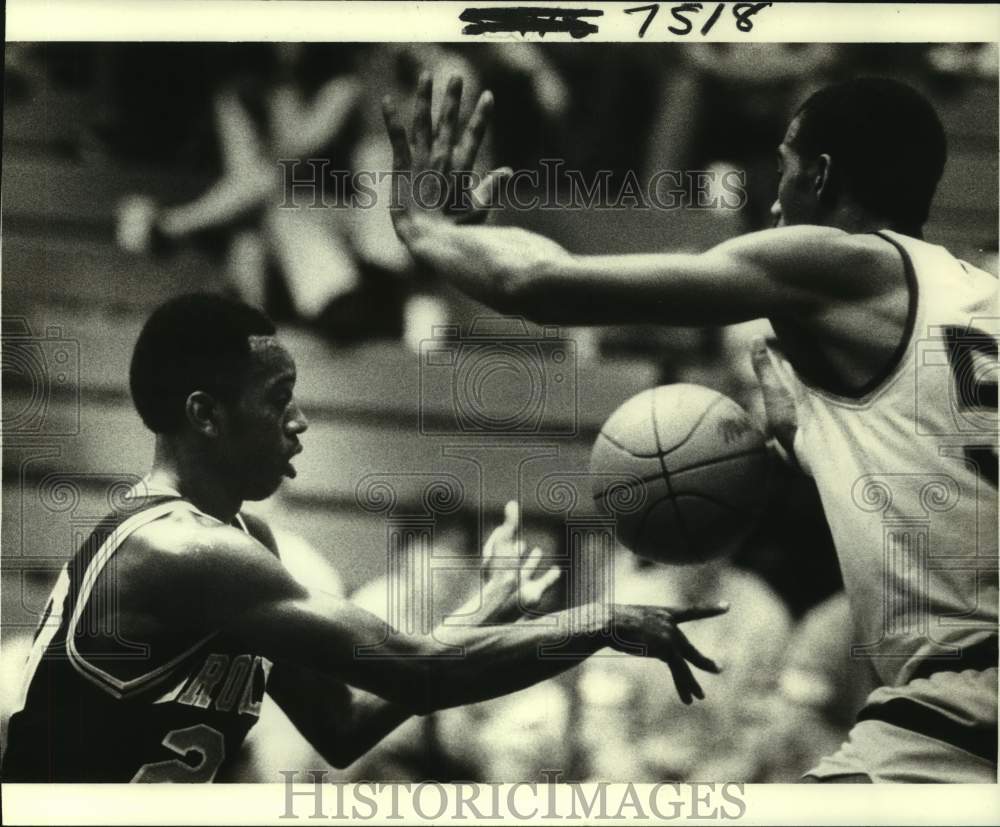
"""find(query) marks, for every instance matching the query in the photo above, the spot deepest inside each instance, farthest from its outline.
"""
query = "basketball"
(684, 471)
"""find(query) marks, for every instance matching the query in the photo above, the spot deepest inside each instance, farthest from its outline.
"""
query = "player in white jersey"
(893, 342)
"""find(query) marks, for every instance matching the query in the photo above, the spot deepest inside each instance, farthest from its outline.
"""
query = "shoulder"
(260, 531)
(203, 563)
(826, 260)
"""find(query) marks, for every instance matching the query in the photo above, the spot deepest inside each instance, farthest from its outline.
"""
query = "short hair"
(194, 342)
(886, 142)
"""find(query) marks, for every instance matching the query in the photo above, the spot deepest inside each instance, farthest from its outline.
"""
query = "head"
(210, 379)
(871, 148)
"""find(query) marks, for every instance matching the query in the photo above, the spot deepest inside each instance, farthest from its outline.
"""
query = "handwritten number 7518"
(681, 13)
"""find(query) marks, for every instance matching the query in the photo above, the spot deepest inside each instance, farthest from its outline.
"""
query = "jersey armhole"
(890, 368)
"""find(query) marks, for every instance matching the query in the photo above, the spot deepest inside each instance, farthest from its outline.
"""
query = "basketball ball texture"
(684, 471)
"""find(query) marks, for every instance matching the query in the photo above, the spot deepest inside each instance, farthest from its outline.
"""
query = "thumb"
(487, 193)
(760, 357)
(511, 517)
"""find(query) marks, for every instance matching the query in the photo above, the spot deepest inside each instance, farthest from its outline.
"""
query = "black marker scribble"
(529, 19)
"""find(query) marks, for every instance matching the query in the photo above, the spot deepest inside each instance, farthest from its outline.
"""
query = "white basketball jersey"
(908, 475)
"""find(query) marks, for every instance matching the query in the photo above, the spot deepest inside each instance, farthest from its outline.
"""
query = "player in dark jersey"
(161, 634)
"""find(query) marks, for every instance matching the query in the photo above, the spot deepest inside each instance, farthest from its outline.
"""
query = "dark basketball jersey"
(96, 707)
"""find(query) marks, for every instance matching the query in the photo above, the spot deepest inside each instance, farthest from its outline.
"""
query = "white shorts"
(932, 730)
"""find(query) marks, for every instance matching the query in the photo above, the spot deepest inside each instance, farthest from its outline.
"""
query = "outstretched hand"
(511, 571)
(432, 166)
(656, 630)
(779, 404)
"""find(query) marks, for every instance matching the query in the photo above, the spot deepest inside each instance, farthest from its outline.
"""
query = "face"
(259, 432)
(797, 201)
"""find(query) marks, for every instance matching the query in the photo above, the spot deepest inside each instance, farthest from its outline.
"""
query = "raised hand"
(432, 166)
(511, 571)
(656, 629)
(505, 557)
(779, 404)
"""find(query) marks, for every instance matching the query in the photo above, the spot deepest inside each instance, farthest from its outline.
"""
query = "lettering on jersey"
(223, 679)
(234, 683)
(253, 692)
(199, 692)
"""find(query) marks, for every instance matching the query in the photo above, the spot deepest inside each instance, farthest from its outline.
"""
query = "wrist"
(623, 625)
(499, 600)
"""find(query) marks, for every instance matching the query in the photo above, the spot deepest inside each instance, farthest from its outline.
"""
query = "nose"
(776, 213)
(297, 422)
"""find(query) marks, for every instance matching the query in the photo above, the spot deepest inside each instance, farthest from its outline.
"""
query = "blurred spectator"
(633, 725)
(820, 690)
(415, 603)
(513, 738)
(264, 116)
(729, 103)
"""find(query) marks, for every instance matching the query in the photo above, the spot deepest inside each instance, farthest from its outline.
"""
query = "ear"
(823, 177)
(202, 412)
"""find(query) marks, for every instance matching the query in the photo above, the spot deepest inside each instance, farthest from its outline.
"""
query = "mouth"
(290, 471)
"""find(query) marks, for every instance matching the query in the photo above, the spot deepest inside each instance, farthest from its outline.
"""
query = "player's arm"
(340, 722)
(242, 589)
(772, 274)
(343, 722)
(785, 272)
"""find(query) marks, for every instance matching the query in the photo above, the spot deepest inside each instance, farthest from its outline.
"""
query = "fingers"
(464, 156)
(401, 159)
(485, 195)
(489, 548)
(779, 404)
(421, 131)
(763, 367)
(548, 580)
(688, 651)
(684, 681)
(698, 612)
(505, 532)
(447, 124)
(529, 565)
(511, 517)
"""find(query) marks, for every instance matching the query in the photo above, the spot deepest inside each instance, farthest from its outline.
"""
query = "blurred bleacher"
(64, 279)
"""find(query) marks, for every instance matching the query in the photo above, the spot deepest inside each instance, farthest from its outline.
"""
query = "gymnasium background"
(96, 136)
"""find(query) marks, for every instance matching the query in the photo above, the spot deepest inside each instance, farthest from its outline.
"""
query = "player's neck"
(187, 474)
(853, 219)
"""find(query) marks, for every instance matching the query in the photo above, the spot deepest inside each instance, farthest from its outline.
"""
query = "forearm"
(459, 664)
(340, 722)
(225, 202)
(519, 272)
(462, 664)
(483, 663)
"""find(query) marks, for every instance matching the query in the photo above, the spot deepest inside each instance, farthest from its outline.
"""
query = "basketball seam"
(627, 450)
(697, 495)
(681, 522)
(704, 413)
(718, 460)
